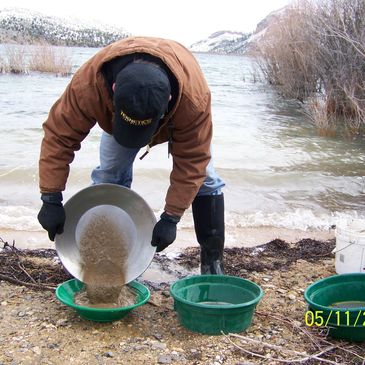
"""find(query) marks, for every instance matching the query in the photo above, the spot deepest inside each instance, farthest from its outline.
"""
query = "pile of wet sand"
(103, 254)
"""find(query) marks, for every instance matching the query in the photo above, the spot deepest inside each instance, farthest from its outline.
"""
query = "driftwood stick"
(6, 244)
(21, 267)
(154, 304)
(31, 285)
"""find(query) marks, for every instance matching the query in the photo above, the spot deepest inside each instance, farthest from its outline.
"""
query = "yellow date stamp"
(334, 317)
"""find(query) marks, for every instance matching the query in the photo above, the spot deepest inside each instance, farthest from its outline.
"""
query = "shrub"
(285, 55)
(317, 50)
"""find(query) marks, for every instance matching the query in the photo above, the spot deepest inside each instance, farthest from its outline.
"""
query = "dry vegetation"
(315, 52)
(14, 60)
(19, 59)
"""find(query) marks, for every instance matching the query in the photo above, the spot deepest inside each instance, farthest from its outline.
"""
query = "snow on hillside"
(22, 24)
(69, 22)
(222, 42)
(228, 42)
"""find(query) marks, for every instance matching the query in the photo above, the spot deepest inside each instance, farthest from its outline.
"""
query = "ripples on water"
(277, 169)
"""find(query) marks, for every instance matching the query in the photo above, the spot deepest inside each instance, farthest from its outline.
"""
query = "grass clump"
(13, 60)
(51, 59)
(20, 59)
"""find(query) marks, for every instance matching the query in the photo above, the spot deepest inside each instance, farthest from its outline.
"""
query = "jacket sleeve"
(192, 137)
(66, 126)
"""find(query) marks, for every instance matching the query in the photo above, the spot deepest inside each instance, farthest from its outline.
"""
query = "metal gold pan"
(141, 223)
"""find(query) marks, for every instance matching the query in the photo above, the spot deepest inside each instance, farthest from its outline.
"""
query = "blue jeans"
(116, 167)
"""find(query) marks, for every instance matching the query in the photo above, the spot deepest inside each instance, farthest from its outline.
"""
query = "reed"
(14, 59)
(51, 59)
(2, 64)
(36, 58)
(317, 111)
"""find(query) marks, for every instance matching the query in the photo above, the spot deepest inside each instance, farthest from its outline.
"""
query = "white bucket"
(350, 246)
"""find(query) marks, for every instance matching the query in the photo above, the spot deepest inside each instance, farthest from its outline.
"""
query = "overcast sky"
(186, 21)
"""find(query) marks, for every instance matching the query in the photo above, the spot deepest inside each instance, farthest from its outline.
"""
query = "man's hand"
(164, 232)
(52, 214)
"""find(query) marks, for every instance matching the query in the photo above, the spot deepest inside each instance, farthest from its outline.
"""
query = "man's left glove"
(52, 215)
(164, 232)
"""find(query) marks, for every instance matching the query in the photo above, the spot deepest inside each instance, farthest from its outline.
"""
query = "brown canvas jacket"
(86, 101)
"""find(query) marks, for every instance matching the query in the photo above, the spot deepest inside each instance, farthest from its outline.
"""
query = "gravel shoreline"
(37, 329)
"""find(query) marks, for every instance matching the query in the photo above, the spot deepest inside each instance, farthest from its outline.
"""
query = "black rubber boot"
(208, 214)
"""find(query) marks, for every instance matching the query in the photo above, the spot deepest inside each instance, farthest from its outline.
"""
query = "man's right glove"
(52, 215)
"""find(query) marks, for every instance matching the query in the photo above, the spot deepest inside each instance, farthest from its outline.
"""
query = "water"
(348, 304)
(216, 303)
(278, 171)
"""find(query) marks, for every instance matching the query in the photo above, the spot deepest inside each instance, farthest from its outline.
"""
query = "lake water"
(279, 172)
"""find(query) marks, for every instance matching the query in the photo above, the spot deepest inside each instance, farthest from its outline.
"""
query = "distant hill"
(222, 42)
(264, 29)
(26, 26)
(228, 42)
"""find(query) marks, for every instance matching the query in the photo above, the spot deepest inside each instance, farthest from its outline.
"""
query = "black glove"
(52, 214)
(164, 232)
